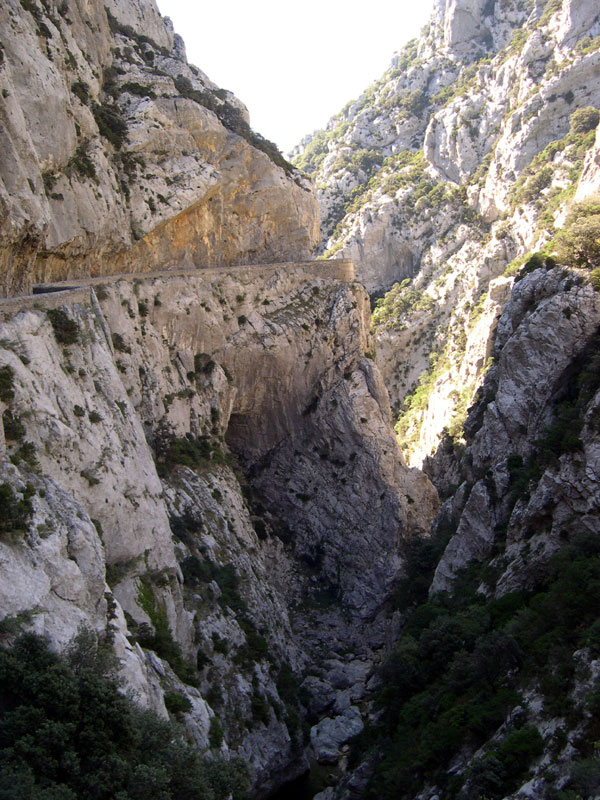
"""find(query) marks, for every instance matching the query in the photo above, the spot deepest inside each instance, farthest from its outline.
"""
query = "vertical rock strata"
(253, 566)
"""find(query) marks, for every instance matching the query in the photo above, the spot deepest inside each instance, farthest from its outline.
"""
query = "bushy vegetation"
(7, 375)
(537, 177)
(461, 87)
(139, 90)
(191, 451)
(197, 572)
(458, 669)
(81, 163)
(399, 301)
(578, 243)
(111, 124)
(140, 39)
(314, 153)
(119, 343)
(81, 90)
(66, 330)
(232, 118)
(159, 637)
(14, 430)
(585, 119)
(66, 732)
(16, 511)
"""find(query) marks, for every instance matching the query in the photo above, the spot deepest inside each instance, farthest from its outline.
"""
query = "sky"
(294, 64)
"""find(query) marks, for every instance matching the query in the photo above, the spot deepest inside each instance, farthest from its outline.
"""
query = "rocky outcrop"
(444, 174)
(530, 461)
(219, 578)
(121, 157)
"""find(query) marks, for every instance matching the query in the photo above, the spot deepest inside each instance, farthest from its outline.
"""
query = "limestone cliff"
(118, 156)
(495, 651)
(447, 171)
(527, 487)
(202, 470)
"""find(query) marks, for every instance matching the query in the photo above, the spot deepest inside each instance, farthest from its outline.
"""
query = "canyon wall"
(214, 486)
(119, 156)
(445, 174)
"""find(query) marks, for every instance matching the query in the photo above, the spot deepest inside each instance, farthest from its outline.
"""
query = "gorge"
(200, 477)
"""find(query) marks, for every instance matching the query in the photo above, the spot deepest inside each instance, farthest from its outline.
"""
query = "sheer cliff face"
(119, 156)
(252, 566)
(531, 462)
(459, 160)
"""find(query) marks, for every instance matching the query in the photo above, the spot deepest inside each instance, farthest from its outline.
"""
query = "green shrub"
(584, 779)
(188, 451)
(94, 416)
(67, 732)
(203, 363)
(66, 330)
(111, 124)
(160, 640)
(595, 279)
(456, 672)
(584, 120)
(186, 526)
(138, 89)
(260, 709)
(487, 778)
(14, 430)
(119, 343)
(257, 646)
(15, 510)
(81, 162)
(7, 391)
(578, 243)
(220, 645)
(535, 184)
(232, 118)
(518, 750)
(81, 90)
(26, 454)
(198, 572)
(397, 303)
(215, 733)
(177, 703)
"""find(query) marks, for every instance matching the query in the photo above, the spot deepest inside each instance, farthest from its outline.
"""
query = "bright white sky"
(294, 64)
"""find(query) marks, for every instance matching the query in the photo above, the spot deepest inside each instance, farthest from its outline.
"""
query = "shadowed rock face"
(110, 167)
(280, 556)
(311, 421)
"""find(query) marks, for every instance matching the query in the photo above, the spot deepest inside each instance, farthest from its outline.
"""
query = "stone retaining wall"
(53, 295)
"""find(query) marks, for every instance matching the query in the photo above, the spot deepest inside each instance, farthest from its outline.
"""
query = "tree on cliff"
(578, 243)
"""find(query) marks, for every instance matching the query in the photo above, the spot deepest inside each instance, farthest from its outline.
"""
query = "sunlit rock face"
(121, 157)
(461, 159)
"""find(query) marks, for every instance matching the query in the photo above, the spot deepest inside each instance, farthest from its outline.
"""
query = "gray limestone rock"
(327, 737)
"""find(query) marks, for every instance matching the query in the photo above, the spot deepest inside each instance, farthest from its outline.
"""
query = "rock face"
(447, 171)
(121, 157)
(121, 405)
(544, 344)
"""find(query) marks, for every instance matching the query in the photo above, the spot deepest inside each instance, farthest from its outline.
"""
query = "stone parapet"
(53, 295)
(339, 269)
